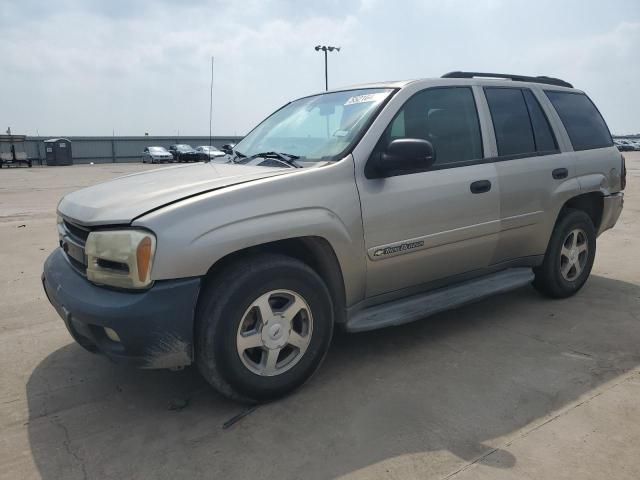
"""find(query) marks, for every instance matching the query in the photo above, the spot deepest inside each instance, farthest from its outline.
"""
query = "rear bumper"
(155, 326)
(611, 210)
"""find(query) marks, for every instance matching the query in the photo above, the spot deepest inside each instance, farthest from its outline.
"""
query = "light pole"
(325, 49)
(211, 104)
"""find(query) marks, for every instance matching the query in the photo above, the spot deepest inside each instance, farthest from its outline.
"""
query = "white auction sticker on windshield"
(368, 97)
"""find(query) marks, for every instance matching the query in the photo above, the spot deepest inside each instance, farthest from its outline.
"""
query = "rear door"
(423, 227)
(595, 154)
(534, 174)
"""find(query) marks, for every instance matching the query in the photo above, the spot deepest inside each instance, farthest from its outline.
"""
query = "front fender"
(217, 243)
(194, 234)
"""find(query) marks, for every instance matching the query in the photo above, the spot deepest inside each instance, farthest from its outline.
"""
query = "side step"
(423, 305)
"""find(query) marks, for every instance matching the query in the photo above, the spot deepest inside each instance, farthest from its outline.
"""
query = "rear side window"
(542, 133)
(447, 117)
(581, 119)
(511, 123)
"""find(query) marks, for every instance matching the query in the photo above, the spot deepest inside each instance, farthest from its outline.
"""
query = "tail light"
(623, 174)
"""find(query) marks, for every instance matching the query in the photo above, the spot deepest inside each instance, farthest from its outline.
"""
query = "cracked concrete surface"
(514, 387)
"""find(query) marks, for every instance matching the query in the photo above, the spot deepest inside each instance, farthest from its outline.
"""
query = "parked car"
(156, 155)
(228, 148)
(209, 153)
(373, 206)
(634, 143)
(184, 153)
(622, 145)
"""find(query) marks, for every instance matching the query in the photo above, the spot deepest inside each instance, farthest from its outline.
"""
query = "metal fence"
(116, 149)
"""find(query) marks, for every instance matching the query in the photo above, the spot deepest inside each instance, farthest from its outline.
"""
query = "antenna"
(211, 104)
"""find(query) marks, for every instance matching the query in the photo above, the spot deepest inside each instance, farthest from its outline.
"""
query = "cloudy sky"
(90, 67)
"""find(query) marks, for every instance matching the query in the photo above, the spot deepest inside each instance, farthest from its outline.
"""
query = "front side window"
(584, 124)
(317, 128)
(446, 117)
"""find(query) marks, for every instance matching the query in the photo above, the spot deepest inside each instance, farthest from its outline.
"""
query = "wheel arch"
(592, 203)
(314, 251)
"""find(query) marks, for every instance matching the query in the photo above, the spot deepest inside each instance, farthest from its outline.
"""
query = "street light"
(326, 49)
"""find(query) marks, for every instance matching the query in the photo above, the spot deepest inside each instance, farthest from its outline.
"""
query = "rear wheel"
(569, 257)
(263, 327)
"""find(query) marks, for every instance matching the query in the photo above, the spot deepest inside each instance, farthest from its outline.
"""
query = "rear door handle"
(559, 173)
(480, 186)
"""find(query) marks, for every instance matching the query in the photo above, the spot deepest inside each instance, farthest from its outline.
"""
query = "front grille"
(80, 233)
(72, 240)
(80, 267)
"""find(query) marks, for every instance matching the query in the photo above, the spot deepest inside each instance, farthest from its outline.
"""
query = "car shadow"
(444, 391)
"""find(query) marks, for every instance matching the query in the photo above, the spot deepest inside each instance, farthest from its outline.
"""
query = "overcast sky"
(87, 67)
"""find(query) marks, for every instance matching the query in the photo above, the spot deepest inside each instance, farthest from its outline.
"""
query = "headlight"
(120, 258)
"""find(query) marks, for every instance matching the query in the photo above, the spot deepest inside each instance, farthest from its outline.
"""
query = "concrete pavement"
(517, 386)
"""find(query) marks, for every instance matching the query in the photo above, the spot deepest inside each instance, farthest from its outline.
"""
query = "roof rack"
(515, 78)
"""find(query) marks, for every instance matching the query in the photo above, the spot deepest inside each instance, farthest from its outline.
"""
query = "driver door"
(423, 227)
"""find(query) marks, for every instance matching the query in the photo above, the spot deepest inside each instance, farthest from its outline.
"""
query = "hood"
(123, 199)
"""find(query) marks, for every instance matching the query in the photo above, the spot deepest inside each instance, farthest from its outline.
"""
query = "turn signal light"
(143, 257)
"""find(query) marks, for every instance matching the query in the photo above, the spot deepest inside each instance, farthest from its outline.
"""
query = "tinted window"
(511, 123)
(581, 119)
(446, 117)
(542, 134)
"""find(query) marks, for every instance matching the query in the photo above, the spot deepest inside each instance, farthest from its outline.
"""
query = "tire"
(560, 276)
(226, 312)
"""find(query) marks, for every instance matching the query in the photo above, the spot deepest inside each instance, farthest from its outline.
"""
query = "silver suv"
(364, 207)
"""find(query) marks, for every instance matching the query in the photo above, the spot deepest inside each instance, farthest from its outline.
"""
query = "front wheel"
(263, 327)
(569, 257)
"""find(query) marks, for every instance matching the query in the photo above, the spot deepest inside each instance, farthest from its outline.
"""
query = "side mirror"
(404, 156)
(227, 148)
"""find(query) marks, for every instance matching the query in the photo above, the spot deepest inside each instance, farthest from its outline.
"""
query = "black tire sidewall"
(224, 317)
(558, 285)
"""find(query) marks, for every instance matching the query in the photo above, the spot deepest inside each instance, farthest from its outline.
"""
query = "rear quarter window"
(582, 120)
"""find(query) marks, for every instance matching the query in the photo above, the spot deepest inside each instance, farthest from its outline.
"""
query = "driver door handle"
(559, 173)
(480, 186)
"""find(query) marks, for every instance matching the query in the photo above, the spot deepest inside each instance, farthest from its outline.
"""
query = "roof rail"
(515, 78)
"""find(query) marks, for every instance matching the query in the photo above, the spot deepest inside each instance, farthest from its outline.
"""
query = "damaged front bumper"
(154, 328)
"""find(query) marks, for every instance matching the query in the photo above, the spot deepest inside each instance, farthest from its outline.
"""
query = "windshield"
(315, 128)
(183, 147)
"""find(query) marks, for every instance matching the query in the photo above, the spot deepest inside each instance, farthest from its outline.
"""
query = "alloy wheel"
(274, 333)
(574, 254)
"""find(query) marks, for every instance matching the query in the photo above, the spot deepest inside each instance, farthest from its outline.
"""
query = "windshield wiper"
(285, 157)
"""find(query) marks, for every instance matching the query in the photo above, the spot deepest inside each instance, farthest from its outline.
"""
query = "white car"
(156, 155)
(209, 153)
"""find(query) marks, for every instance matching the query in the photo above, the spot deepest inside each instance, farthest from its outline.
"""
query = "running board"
(416, 307)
